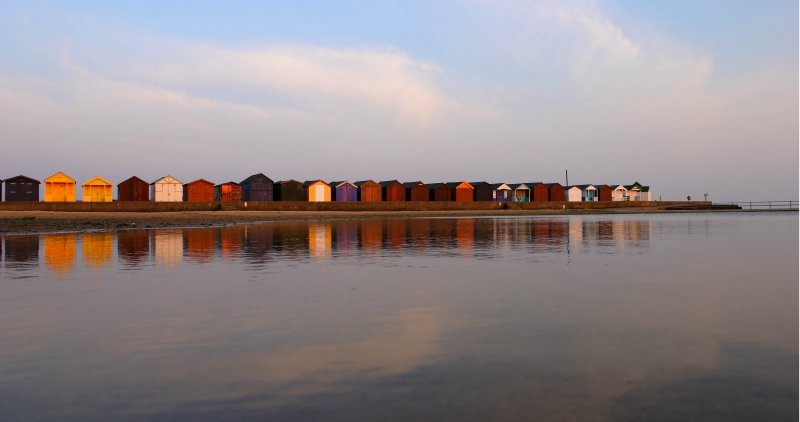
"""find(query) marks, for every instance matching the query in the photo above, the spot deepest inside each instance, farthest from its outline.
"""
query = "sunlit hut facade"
(501, 192)
(344, 191)
(572, 194)
(461, 191)
(619, 193)
(97, 189)
(59, 188)
(520, 192)
(133, 189)
(228, 192)
(588, 193)
(289, 190)
(439, 192)
(317, 191)
(416, 191)
(258, 188)
(539, 192)
(481, 191)
(166, 189)
(369, 191)
(22, 188)
(200, 190)
(638, 192)
(392, 190)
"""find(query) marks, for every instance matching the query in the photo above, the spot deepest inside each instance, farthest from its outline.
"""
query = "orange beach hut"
(97, 189)
(59, 188)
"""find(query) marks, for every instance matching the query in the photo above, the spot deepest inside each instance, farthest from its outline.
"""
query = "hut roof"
(97, 181)
(453, 185)
(366, 182)
(634, 186)
(531, 185)
(389, 182)
(289, 181)
(167, 179)
(229, 183)
(21, 177)
(517, 186)
(255, 177)
(60, 177)
(500, 186)
(193, 182)
(131, 180)
(313, 182)
(342, 182)
(553, 184)
(584, 187)
(412, 184)
(435, 185)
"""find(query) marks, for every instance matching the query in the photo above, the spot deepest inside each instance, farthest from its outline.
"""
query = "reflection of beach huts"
(133, 246)
(520, 192)
(166, 189)
(21, 249)
(258, 188)
(604, 192)
(461, 191)
(588, 193)
(501, 192)
(392, 190)
(319, 240)
(555, 192)
(317, 191)
(481, 191)
(539, 192)
(168, 246)
(438, 192)
(619, 193)
(97, 189)
(200, 190)
(199, 244)
(59, 252)
(97, 249)
(289, 190)
(369, 191)
(344, 191)
(228, 192)
(59, 188)
(371, 234)
(416, 191)
(572, 194)
(21, 188)
(133, 189)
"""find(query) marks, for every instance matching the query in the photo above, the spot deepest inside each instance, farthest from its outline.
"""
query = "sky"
(688, 97)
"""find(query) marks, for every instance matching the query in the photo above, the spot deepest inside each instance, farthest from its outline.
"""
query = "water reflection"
(21, 253)
(97, 249)
(133, 246)
(168, 247)
(59, 252)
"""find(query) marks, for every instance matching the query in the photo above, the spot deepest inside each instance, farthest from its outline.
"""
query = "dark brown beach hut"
(416, 191)
(604, 192)
(539, 192)
(201, 190)
(439, 192)
(289, 190)
(482, 191)
(461, 191)
(227, 192)
(22, 188)
(392, 190)
(258, 188)
(133, 189)
(369, 191)
(556, 192)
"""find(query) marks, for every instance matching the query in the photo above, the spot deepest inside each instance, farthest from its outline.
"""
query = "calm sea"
(641, 317)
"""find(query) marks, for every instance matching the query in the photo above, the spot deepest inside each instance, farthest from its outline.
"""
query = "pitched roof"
(308, 183)
(516, 186)
(255, 177)
(453, 185)
(200, 181)
(553, 184)
(341, 182)
(167, 179)
(132, 179)
(412, 184)
(22, 177)
(361, 182)
(435, 185)
(584, 187)
(97, 180)
(288, 181)
(499, 186)
(61, 176)
(389, 182)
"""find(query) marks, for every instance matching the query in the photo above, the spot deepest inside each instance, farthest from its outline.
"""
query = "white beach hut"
(588, 193)
(572, 194)
(166, 189)
(619, 193)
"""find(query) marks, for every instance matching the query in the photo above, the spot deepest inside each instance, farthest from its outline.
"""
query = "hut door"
(59, 192)
(97, 194)
(319, 193)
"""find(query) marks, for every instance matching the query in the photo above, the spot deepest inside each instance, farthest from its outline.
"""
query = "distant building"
(133, 189)
(392, 190)
(166, 189)
(97, 189)
(258, 188)
(501, 192)
(416, 191)
(369, 191)
(317, 191)
(289, 190)
(59, 188)
(344, 191)
(22, 188)
(482, 191)
(461, 191)
(200, 190)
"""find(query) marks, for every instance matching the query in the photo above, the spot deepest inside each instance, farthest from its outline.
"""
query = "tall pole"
(566, 173)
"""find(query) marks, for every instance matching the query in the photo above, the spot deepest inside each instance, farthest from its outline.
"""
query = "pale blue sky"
(686, 96)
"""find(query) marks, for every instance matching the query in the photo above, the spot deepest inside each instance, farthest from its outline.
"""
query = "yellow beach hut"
(59, 188)
(97, 189)
(317, 191)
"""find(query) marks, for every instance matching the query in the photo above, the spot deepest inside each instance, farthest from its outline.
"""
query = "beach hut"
(539, 192)
(228, 192)
(416, 191)
(501, 192)
(97, 189)
(556, 192)
(289, 190)
(392, 190)
(645, 194)
(258, 187)
(22, 188)
(166, 189)
(636, 190)
(438, 192)
(317, 191)
(604, 192)
(619, 193)
(133, 189)
(461, 191)
(369, 191)
(344, 191)
(572, 194)
(482, 191)
(200, 190)
(588, 193)
(520, 192)
(59, 188)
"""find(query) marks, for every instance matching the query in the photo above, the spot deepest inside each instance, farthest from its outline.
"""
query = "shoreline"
(34, 222)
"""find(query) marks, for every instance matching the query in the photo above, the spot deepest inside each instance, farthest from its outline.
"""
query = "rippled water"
(676, 317)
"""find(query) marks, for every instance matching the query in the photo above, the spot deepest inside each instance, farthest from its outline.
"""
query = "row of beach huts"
(258, 187)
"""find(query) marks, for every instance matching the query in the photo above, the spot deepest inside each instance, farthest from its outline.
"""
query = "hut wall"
(198, 191)
(369, 192)
(521, 195)
(463, 193)
(573, 194)
(344, 193)
(166, 189)
(393, 192)
(289, 191)
(482, 192)
(604, 192)
(318, 192)
(417, 193)
(440, 193)
(501, 195)
(21, 188)
(228, 192)
(133, 189)
(258, 188)
(539, 193)
(97, 191)
(59, 188)
(556, 192)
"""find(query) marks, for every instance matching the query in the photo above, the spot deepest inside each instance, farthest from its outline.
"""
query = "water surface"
(674, 317)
